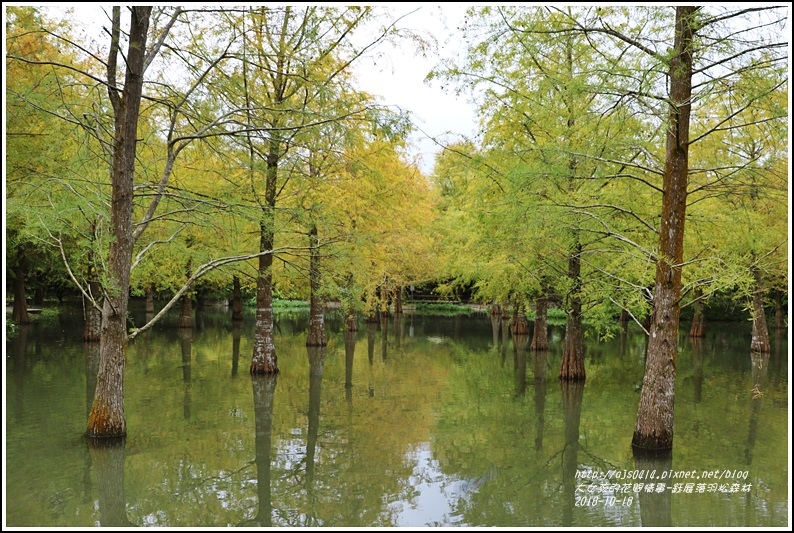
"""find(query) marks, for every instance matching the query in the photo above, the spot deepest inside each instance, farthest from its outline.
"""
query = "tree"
(555, 145)
(315, 188)
(702, 57)
(107, 412)
(739, 180)
(654, 427)
(39, 151)
(284, 55)
(632, 79)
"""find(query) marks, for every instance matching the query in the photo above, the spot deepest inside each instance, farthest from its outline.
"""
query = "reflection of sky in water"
(434, 494)
(205, 470)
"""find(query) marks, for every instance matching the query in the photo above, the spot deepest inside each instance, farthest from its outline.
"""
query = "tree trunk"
(505, 336)
(186, 313)
(107, 412)
(372, 309)
(20, 312)
(760, 339)
(237, 301)
(624, 319)
(38, 296)
(93, 316)
(351, 321)
(519, 325)
(91, 352)
(398, 301)
(200, 296)
(572, 366)
(697, 360)
(148, 292)
(540, 337)
(698, 328)
(384, 301)
(316, 335)
(780, 317)
(264, 359)
(654, 426)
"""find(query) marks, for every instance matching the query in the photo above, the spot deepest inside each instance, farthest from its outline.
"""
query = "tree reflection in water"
(107, 457)
(759, 364)
(520, 342)
(655, 506)
(572, 394)
(264, 387)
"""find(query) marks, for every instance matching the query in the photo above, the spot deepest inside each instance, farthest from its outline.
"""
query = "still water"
(414, 421)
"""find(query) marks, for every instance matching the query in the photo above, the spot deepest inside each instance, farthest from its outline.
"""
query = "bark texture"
(780, 314)
(93, 316)
(398, 301)
(760, 339)
(107, 417)
(316, 336)
(186, 312)
(654, 425)
(572, 366)
(149, 295)
(698, 328)
(519, 324)
(264, 359)
(20, 312)
(540, 336)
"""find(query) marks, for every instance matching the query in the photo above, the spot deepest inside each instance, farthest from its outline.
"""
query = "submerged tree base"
(651, 444)
(572, 378)
(106, 442)
(572, 367)
(651, 454)
(263, 370)
(316, 343)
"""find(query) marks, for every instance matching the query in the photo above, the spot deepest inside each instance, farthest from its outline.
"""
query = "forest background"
(629, 162)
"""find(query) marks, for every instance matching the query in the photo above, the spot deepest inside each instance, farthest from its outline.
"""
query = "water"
(421, 421)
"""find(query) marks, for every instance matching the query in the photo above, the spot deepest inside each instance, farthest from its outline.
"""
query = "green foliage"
(443, 309)
(289, 304)
(11, 328)
(570, 155)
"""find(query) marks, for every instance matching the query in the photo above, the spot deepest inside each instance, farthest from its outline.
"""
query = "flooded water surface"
(412, 421)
